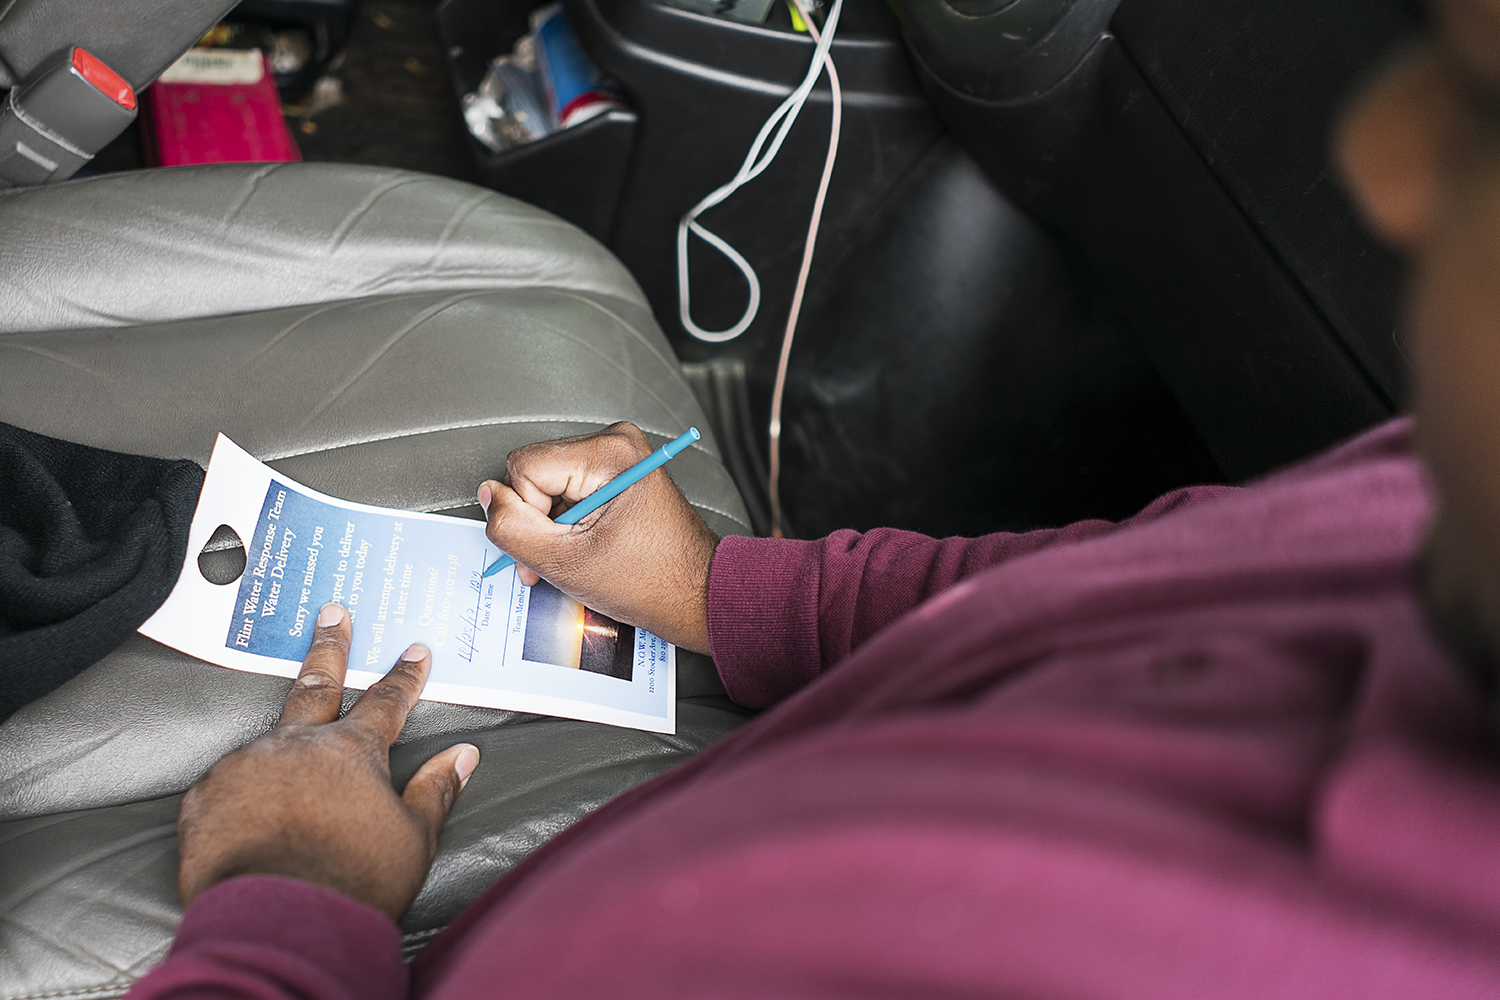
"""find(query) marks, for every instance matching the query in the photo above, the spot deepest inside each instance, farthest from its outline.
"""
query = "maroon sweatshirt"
(1212, 752)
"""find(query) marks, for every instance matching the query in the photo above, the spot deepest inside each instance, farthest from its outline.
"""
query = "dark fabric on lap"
(91, 543)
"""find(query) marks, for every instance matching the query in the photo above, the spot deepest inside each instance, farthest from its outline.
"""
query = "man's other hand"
(642, 558)
(312, 799)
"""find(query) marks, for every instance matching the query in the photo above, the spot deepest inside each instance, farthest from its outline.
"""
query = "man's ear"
(1397, 143)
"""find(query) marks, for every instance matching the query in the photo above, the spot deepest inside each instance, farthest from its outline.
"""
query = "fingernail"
(331, 614)
(414, 652)
(485, 496)
(465, 762)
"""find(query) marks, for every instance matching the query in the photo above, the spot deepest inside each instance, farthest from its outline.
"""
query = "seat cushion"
(383, 336)
(152, 245)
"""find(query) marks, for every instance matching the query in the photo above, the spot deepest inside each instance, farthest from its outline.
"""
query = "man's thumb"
(431, 791)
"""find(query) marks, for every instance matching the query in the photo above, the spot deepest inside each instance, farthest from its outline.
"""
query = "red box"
(213, 106)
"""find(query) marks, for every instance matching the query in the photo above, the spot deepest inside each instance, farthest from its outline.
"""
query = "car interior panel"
(1075, 253)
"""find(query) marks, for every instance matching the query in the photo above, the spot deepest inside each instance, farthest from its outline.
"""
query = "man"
(1213, 751)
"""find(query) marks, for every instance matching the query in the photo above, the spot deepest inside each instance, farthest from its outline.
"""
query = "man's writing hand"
(642, 558)
(312, 799)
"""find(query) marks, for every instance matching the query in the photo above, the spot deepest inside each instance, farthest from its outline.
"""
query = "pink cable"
(807, 258)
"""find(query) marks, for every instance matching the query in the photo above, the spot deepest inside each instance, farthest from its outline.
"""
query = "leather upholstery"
(380, 335)
(239, 238)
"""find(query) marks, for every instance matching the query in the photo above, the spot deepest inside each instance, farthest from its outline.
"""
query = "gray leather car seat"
(380, 335)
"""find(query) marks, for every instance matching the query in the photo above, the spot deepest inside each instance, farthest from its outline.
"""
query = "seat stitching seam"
(622, 369)
(294, 325)
(457, 220)
(354, 297)
(507, 282)
(459, 425)
(251, 186)
(622, 321)
(61, 359)
(390, 342)
(358, 211)
(493, 422)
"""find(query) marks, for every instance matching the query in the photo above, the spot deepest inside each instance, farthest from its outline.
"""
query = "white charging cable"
(757, 160)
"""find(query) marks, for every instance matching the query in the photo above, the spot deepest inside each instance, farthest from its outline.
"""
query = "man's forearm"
(780, 611)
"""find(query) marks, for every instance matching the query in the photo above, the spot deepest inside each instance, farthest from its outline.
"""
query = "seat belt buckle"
(55, 120)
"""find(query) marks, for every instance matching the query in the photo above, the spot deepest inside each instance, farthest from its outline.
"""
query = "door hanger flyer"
(405, 577)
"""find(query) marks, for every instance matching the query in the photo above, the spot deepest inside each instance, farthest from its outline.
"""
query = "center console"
(700, 87)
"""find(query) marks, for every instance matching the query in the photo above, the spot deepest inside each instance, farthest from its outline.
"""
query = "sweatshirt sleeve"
(782, 611)
(261, 937)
